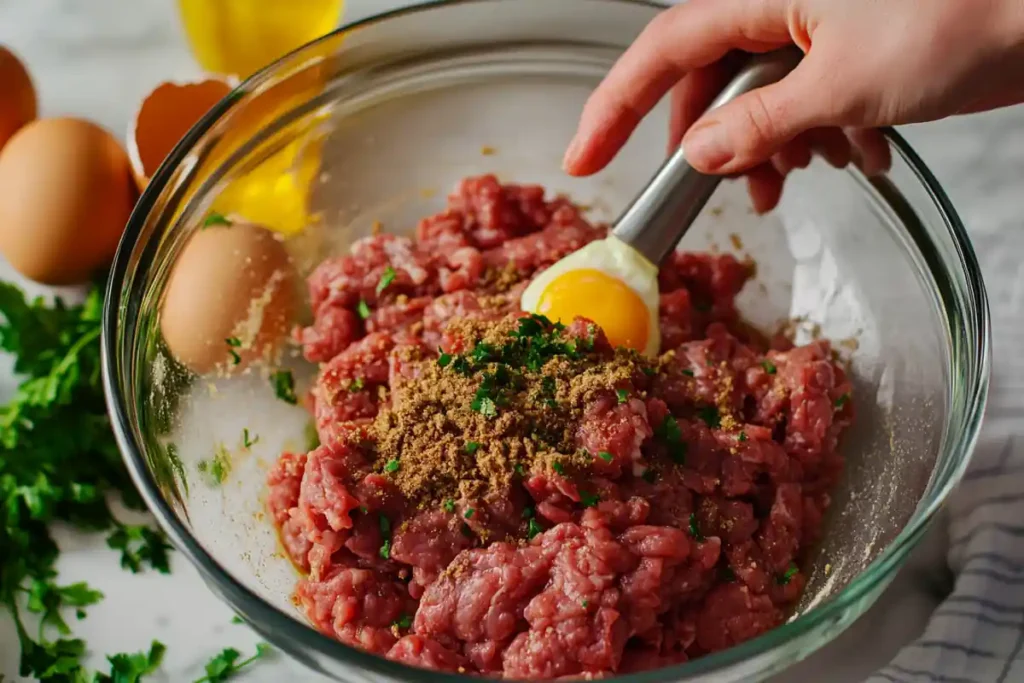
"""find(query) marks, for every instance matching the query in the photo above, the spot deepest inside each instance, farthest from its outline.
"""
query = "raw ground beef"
(657, 572)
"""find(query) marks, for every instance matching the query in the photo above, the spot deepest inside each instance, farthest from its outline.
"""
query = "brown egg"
(230, 298)
(66, 192)
(17, 96)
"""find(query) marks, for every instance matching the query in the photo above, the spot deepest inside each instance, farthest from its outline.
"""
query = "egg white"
(617, 259)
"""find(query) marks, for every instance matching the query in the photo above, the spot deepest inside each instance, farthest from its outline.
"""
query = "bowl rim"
(301, 638)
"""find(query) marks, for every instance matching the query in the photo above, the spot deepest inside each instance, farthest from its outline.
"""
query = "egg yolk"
(606, 300)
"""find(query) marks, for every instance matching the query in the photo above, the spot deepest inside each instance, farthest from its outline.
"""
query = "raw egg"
(17, 96)
(608, 282)
(66, 192)
(231, 298)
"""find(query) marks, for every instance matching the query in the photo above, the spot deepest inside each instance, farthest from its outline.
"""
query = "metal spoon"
(664, 210)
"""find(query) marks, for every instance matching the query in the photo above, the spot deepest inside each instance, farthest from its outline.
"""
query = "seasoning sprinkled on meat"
(501, 495)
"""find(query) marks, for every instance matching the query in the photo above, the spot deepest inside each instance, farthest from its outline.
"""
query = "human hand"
(868, 63)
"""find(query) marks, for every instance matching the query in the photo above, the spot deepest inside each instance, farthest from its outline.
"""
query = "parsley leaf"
(788, 576)
(589, 500)
(605, 455)
(386, 279)
(234, 343)
(248, 440)
(842, 400)
(533, 528)
(404, 621)
(363, 309)
(226, 664)
(623, 395)
(125, 668)
(694, 530)
(448, 505)
(358, 384)
(769, 367)
(392, 465)
(472, 447)
(140, 544)
(709, 414)
(468, 514)
(284, 386)
(215, 219)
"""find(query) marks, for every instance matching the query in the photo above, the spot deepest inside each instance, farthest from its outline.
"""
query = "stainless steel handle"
(666, 208)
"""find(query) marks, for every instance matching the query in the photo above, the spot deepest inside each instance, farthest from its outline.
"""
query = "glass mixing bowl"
(389, 113)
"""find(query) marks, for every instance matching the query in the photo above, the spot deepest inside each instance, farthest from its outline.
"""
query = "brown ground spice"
(469, 425)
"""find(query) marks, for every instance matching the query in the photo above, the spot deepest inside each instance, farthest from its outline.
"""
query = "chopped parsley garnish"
(586, 604)
(444, 359)
(688, 372)
(363, 309)
(466, 531)
(742, 437)
(363, 509)
(226, 664)
(649, 476)
(533, 528)
(485, 406)
(528, 512)
(234, 343)
(386, 279)
(842, 400)
(448, 505)
(669, 432)
(392, 465)
(215, 219)
(248, 440)
(709, 414)
(623, 395)
(768, 366)
(694, 530)
(557, 467)
(284, 386)
(404, 621)
(472, 447)
(385, 532)
(605, 455)
(589, 500)
(650, 372)
(468, 514)
(519, 470)
(788, 576)
(218, 467)
(357, 385)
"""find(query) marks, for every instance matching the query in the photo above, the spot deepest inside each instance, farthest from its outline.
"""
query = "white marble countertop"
(98, 58)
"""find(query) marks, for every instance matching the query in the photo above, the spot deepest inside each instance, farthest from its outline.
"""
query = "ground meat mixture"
(498, 494)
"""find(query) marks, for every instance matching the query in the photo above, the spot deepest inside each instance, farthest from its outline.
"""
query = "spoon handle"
(664, 210)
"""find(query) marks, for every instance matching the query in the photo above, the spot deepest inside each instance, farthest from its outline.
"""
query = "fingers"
(692, 96)
(679, 40)
(756, 125)
(870, 150)
(865, 147)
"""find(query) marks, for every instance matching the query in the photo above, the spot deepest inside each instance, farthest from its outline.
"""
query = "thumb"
(749, 130)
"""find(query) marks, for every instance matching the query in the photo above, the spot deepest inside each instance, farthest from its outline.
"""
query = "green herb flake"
(228, 663)
(218, 467)
(363, 309)
(403, 622)
(284, 386)
(742, 437)
(710, 416)
(444, 359)
(586, 604)
(694, 530)
(466, 531)
(622, 395)
(788, 576)
(385, 549)
(358, 384)
(392, 466)
(650, 372)
(485, 406)
(688, 372)
(649, 476)
(769, 367)
(386, 279)
(605, 455)
(557, 467)
(519, 470)
(533, 528)
(448, 505)
(215, 219)
(248, 440)
(471, 447)
(468, 514)
(842, 400)
(528, 512)
(589, 500)
(234, 343)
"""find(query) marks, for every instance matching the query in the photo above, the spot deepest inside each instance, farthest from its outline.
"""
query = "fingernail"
(706, 146)
(572, 153)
